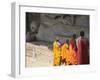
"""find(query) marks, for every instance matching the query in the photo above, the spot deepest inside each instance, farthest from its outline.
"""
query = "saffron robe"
(73, 52)
(64, 50)
(65, 53)
(57, 53)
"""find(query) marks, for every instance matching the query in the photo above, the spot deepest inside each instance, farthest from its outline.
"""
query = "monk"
(73, 50)
(57, 52)
(65, 52)
(73, 43)
(83, 49)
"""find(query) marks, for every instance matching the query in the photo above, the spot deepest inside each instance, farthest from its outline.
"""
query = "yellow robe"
(64, 51)
(57, 53)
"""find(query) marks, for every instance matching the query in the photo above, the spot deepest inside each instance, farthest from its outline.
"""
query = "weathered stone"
(63, 27)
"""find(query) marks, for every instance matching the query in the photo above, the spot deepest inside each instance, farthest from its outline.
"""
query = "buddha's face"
(34, 27)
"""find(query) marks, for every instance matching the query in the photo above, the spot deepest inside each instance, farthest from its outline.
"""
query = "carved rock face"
(49, 26)
(34, 27)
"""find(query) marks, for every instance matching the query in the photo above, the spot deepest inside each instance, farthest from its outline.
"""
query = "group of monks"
(72, 52)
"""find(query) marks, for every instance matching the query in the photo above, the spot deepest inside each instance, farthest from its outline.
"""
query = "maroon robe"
(72, 42)
(83, 50)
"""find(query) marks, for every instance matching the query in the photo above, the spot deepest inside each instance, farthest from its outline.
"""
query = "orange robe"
(73, 52)
(73, 56)
(57, 53)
